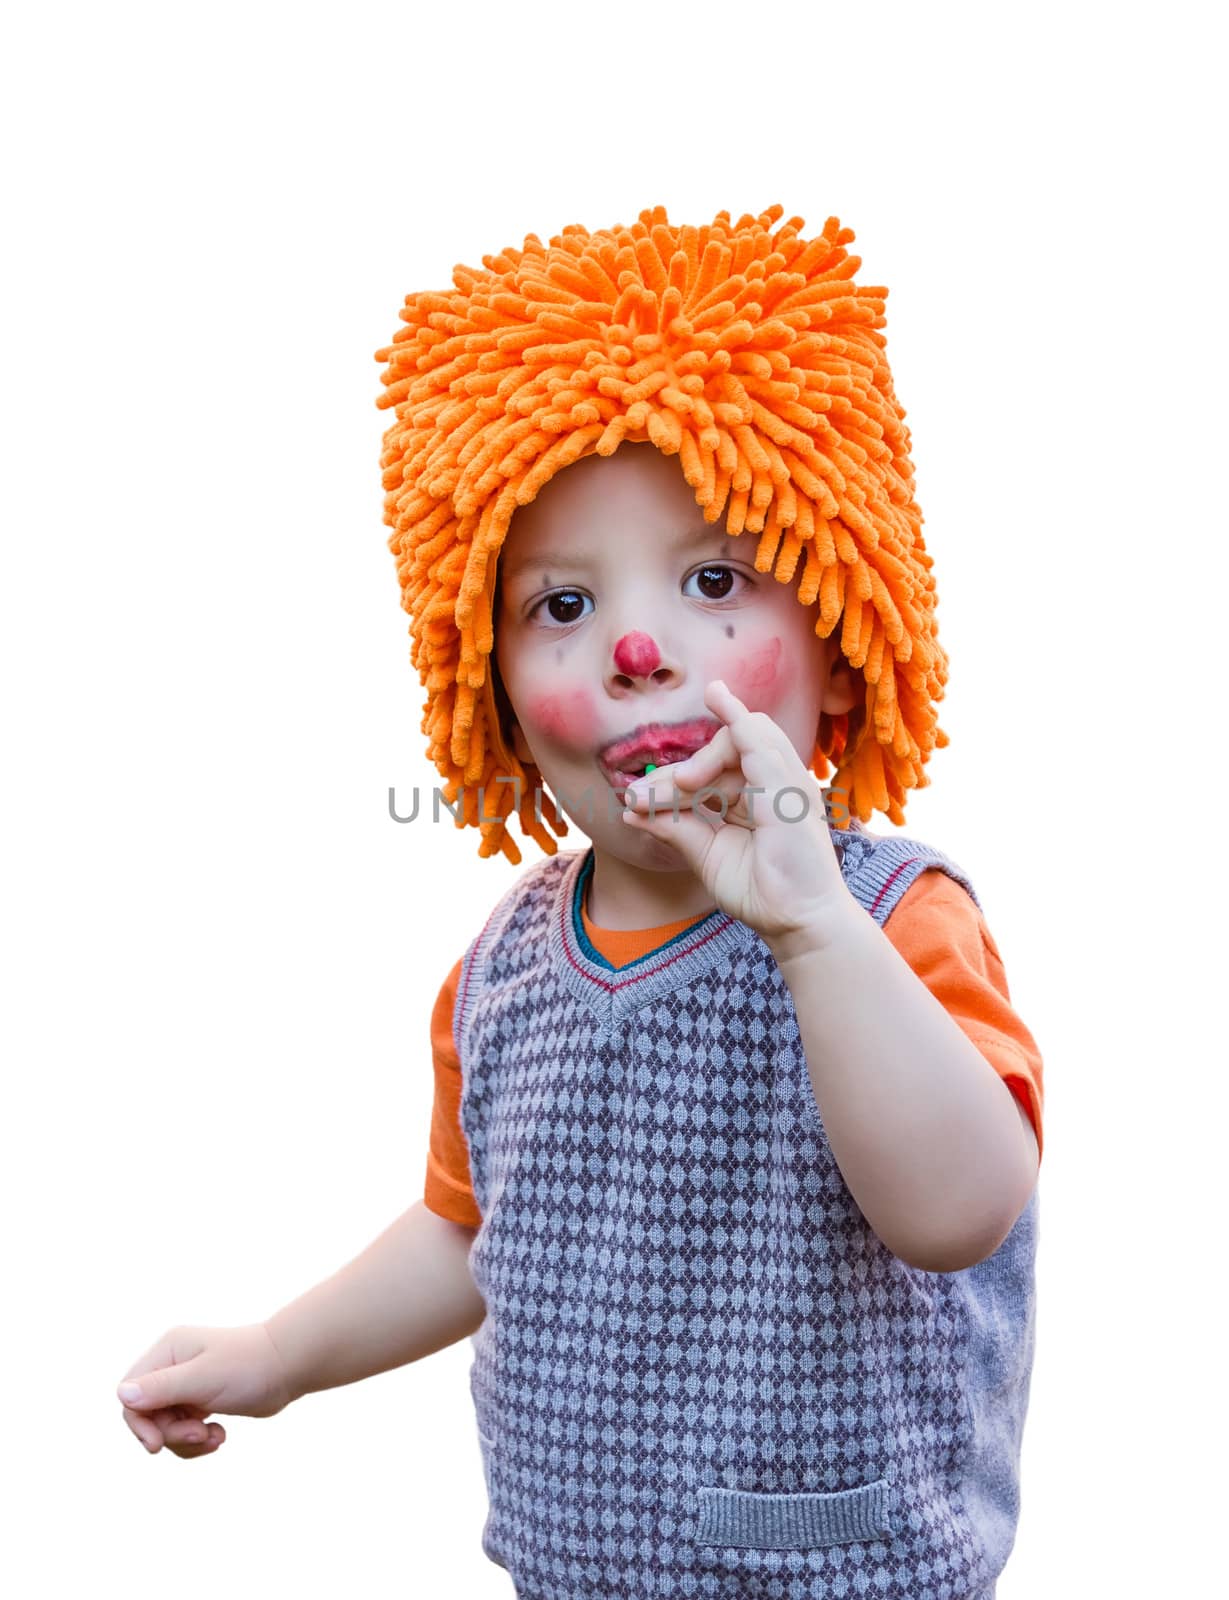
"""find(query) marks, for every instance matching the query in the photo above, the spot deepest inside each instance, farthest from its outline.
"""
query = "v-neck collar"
(615, 992)
(582, 922)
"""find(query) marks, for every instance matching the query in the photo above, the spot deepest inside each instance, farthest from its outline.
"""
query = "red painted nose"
(636, 655)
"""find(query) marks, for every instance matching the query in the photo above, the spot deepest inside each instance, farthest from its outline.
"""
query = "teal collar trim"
(586, 945)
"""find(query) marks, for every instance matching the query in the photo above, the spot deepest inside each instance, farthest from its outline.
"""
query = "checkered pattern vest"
(701, 1373)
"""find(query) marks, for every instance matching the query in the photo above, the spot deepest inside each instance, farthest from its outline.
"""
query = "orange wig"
(751, 355)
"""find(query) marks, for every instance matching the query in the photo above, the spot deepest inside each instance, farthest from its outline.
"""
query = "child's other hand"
(779, 875)
(191, 1372)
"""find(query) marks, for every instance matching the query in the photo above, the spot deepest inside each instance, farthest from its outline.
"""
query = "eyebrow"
(569, 558)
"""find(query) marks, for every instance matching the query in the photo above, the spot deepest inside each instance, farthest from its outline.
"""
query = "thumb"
(164, 1387)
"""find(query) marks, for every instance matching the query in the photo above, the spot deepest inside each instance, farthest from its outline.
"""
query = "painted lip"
(661, 743)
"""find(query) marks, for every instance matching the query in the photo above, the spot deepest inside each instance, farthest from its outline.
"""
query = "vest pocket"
(741, 1517)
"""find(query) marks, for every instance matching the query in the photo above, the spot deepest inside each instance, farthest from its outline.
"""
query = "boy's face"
(617, 606)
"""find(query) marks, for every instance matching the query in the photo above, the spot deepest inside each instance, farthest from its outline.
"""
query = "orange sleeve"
(448, 1190)
(941, 933)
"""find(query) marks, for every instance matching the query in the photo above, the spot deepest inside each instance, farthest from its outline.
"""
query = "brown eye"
(715, 582)
(562, 606)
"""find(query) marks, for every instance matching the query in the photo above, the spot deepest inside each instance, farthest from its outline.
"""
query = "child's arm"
(930, 1140)
(935, 1148)
(408, 1295)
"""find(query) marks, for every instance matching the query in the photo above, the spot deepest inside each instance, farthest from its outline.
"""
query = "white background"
(222, 953)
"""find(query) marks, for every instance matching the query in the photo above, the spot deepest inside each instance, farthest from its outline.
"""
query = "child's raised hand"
(779, 875)
(191, 1372)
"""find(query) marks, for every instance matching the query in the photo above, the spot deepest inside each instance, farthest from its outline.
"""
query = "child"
(733, 1159)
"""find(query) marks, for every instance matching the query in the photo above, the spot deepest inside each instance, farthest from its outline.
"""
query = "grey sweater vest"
(701, 1373)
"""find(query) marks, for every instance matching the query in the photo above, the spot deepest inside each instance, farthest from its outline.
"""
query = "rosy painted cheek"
(566, 718)
(757, 676)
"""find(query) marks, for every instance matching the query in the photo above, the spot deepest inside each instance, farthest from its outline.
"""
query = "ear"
(846, 687)
(509, 727)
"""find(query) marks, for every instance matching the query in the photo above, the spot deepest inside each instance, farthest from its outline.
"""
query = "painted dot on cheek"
(729, 630)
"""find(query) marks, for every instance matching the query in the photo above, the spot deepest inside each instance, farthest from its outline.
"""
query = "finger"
(765, 752)
(725, 799)
(702, 765)
(720, 768)
(184, 1438)
(706, 764)
(187, 1446)
(662, 788)
(149, 1434)
(186, 1430)
(745, 728)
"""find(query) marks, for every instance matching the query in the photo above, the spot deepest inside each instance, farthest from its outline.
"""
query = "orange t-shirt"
(935, 926)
